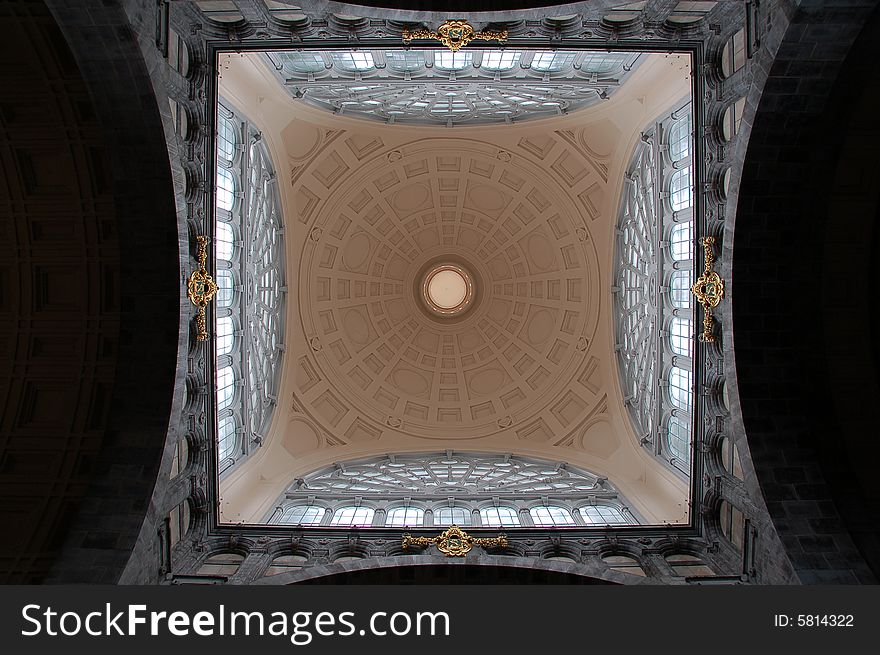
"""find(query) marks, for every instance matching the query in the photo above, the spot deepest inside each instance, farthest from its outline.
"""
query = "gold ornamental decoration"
(455, 34)
(708, 290)
(201, 288)
(454, 542)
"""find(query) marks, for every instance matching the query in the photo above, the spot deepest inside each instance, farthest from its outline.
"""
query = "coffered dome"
(450, 287)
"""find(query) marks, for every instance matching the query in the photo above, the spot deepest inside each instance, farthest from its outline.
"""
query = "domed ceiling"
(450, 288)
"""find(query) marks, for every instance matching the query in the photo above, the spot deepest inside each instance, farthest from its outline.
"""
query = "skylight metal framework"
(248, 251)
(451, 88)
(653, 277)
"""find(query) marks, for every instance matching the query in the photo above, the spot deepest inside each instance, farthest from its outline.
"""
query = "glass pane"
(226, 139)
(551, 516)
(499, 516)
(226, 437)
(452, 61)
(303, 62)
(353, 61)
(452, 516)
(681, 289)
(225, 189)
(680, 189)
(302, 515)
(680, 139)
(602, 515)
(224, 241)
(680, 383)
(405, 61)
(680, 336)
(551, 62)
(225, 389)
(678, 438)
(404, 517)
(225, 340)
(681, 241)
(224, 288)
(500, 60)
(361, 516)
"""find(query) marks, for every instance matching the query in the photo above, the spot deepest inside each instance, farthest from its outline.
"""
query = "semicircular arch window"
(248, 252)
(452, 488)
(654, 261)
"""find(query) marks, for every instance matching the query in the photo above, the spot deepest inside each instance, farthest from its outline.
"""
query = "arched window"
(441, 87)
(452, 516)
(225, 189)
(226, 437)
(248, 250)
(680, 189)
(302, 515)
(602, 515)
(353, 61)
(499, 516)
(550, 62)
(400, 517)
(351, 516)
(733, 57)
(680, 383)
(655, 251)
(452, 485)
(678, 437)
(405, 61)
(500, 60)
(551, 515)
(452, 61)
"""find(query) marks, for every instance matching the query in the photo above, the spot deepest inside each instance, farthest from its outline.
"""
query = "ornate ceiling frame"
(205, 39)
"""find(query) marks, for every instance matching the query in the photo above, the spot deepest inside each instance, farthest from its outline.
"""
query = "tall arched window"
(653, 277)
(248, 254)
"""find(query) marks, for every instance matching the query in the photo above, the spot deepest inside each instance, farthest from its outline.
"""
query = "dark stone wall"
(801, 314)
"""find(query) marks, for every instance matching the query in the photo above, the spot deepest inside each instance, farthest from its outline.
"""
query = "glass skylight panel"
(405, 61)
(303, 62)
(452, 61)
(678, 435)
(602, 62)
(499, 517)
(680, 189)
(226, 139)
(225, 189)
(224, 335)
(500, 60)
(353, 516)
(225, 391)
(452, 516)
(353, 61)
(602, 515)
(681, 241)
(404, 517)
(680, 383)
(552, 62)
(225, 437)
(680, 289)
(302, 515)
(680, 139)
(224, 241)
(551, 515)
(680, 336)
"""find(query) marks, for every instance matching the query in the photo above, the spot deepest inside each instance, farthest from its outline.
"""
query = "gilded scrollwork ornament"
(201, 288)
(455, 34)
(454, 542)
(708, 290)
